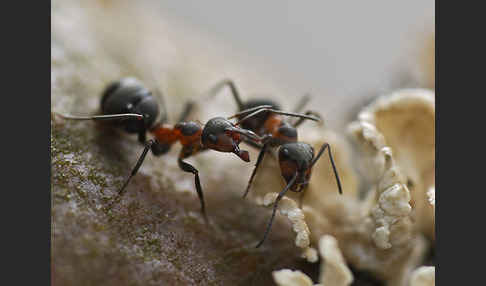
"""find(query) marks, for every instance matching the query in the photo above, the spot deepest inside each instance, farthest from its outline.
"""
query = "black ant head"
(258, 120)
(128, 95)
(296, 158)
(221, 135)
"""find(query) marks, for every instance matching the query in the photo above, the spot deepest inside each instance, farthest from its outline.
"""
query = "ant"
(296, 159)
(131, 106)
(257, 122)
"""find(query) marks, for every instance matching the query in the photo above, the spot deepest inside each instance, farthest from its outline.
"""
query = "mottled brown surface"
(152, 237)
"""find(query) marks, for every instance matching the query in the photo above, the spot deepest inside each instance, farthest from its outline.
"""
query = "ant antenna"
(280, 195)
(323, 148)
(103, 117)
(274, 111)
(249, 110)
(248, 133)
(301, 120)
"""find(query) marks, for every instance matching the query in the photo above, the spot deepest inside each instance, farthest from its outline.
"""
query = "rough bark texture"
(154, 236)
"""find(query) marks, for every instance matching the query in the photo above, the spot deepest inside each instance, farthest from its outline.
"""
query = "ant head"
(296, 158)
(221, 135)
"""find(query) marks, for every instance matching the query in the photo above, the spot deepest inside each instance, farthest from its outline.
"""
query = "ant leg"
(188, 107)
(323, 148)
(142, 136)
(259, 147)
(234, 91)
(259, 160)
(186, 167)
(279, 197)
(302, 103)
(301, 120)
(301, 199)
(148, 146)
(164, 117)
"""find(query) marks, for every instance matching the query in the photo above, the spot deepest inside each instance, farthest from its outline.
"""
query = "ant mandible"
(296, 159)
(131, 106)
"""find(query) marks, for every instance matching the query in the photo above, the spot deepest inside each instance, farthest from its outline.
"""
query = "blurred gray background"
(333, 49)
(344, 53)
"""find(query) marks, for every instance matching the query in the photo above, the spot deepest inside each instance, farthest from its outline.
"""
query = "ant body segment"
(132, 107)
(296, 159)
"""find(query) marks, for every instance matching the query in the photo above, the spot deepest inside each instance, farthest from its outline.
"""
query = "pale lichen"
(334, 270)
(423, 276)
(289, 208)
(380, 232)
(287, 277)
(404, 121)
(431, 196)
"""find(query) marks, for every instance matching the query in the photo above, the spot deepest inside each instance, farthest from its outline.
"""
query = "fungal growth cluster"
(334, 270)
(390, 228)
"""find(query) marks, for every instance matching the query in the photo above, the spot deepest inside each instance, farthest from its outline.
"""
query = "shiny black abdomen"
(128, 95)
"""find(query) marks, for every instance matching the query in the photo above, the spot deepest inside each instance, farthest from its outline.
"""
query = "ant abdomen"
(128, 95)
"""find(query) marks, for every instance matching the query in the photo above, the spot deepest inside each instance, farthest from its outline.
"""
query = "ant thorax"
(187, 133)
(165, 133)
(280, 134)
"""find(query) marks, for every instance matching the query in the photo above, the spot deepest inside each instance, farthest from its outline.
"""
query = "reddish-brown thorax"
(166, 133)
(272, 124)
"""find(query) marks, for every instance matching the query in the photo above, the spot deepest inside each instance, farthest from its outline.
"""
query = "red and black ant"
(132, 107)
(295, 158)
